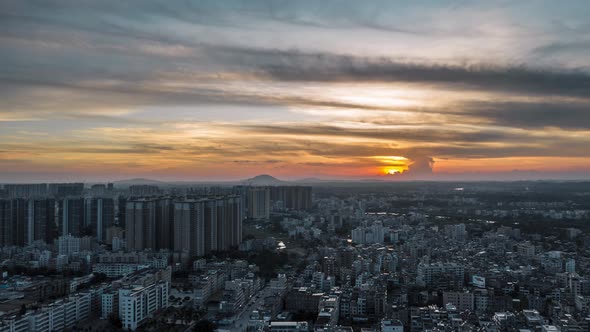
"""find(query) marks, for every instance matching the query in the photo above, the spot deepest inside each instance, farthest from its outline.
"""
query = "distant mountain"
(137, 181)
(264, 180)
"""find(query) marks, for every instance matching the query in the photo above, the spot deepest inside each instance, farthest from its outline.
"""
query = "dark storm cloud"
(581, 46)
(101, 43)
(532, 115)
(323, 67)
(574, 115)
(104, 41)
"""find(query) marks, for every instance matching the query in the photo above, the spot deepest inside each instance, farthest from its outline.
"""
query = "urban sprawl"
(317, 256)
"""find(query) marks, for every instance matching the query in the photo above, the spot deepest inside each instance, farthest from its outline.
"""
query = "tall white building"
(288, 326)
(109, 302)
(113, 270)
(378, 232)
(436, 273)
(391, 326)
(44, 258)
(461, 300)
(369, 234)
(118, 243)
(390, 262)
(358, 235)
(136, 303)
(526, 249)
(458, 232)
(68, 245)
(56, 316)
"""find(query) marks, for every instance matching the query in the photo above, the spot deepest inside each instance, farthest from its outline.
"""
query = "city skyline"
(212, 91)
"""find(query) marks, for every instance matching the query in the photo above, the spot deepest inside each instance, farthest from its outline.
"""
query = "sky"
(225, 90)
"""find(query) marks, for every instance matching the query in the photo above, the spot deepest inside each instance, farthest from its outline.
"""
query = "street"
(256, 301)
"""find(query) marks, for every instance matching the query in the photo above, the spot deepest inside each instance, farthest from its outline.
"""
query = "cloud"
(323, 67)
(406, 133)
(573, 115)
(569, 47)
(250, 162)
(419, 167)
(180, 86)
(452, 142)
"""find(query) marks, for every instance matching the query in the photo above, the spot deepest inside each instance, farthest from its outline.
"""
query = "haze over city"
(294, 166)
(226, 90)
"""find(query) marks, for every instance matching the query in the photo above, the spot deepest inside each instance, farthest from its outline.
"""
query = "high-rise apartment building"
(229, 222)
(138, 303)
(149, 224)
(189, 227)
(71, 216)
(25, 221)
(68, 244)
(206, 225)
(143, 190)
(121, 210)
(242, 191)
(212, 224)
(99, 215)
(41, 220)
(140, 224)
(19, 225)
(165, 224)
(259, 203)
(65, 189)
(233, 222)
(25, 190)
(296, 198)
(13, 222)
(6, 224)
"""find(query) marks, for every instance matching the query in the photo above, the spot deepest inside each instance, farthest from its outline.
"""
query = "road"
(241, 319)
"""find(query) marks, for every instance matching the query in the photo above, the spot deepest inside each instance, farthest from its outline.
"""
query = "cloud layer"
(180, 90)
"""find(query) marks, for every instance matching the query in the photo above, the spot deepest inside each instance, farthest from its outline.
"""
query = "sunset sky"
(225, 90)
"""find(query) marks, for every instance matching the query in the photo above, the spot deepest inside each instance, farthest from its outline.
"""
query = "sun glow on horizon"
(393, 165)
(392, 170)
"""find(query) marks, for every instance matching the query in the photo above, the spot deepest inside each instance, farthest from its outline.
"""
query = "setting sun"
(392, 170)
(393, 165)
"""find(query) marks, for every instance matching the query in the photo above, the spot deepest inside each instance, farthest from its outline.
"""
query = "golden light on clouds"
(391, 170)
(194, 99)
(393, 164)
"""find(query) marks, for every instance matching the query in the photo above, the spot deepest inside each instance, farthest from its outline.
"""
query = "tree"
(87, 231)
(204, 325)
(99, 278)
(306, 316)
(115, 320)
